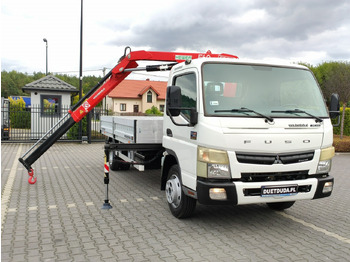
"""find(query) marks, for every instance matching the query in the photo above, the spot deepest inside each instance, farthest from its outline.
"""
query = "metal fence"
(21, 124)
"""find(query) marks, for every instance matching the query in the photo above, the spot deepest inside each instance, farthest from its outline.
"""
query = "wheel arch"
(169, 160)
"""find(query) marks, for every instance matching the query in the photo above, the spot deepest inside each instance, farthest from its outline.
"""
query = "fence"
(30, 124)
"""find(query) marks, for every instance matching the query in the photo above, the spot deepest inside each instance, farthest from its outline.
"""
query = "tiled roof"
(136, 88)
(49, 83)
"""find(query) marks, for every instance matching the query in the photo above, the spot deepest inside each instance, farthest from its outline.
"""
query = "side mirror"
(174, 106)
(334, 106)
(173, 100)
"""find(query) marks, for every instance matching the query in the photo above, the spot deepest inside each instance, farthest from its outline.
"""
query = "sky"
(309, 31)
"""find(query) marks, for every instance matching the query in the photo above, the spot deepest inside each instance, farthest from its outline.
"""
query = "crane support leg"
(106, 204)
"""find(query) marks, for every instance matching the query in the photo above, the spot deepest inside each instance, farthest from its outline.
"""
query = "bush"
(341, 145)
(336, 130)
(153, 111)
(73, 132)
(19, 117)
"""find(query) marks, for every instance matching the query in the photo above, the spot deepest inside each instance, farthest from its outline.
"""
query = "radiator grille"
(270, 159)
(275, 176)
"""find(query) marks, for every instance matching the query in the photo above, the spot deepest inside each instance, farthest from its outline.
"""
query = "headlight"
(324, 166)
(325, 163)
(212, 163)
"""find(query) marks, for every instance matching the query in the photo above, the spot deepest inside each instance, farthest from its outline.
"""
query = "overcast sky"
(311, 31)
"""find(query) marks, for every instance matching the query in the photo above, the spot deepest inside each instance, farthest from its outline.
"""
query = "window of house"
(122, 107)
(161, 108)
(50, 105)
(149, 96)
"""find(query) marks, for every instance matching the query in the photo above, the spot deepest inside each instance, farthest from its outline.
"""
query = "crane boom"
(127, 63)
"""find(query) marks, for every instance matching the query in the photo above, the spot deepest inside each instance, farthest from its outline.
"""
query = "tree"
(336, 79)
(12, 83)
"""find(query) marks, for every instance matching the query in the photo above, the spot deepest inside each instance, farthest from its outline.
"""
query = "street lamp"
(45, 40)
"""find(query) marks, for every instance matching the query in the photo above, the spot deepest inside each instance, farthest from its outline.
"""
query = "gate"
(30, 124)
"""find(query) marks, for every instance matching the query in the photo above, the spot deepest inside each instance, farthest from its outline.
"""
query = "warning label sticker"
(86, 106)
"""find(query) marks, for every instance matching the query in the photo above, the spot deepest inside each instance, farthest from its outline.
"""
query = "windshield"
(230, 89)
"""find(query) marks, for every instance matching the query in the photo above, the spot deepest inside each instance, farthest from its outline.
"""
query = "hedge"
(19, 116)
(336, 130)
(73, 132)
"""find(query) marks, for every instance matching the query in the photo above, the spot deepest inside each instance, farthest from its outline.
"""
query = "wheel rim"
(110, 158)
(173, 191)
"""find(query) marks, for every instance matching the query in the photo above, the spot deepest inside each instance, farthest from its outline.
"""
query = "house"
(50, 100)
(137, 96)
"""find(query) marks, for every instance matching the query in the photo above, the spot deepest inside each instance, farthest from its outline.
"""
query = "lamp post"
(45, 40)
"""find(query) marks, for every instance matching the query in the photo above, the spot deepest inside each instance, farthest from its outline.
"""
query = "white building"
(50, 100)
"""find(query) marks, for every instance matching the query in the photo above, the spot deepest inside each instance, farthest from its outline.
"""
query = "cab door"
(178, 138)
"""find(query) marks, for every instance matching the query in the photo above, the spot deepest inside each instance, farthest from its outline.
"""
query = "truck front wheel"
(280, 205)
(181, 206)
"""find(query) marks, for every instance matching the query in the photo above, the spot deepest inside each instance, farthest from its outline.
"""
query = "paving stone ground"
(60, 217)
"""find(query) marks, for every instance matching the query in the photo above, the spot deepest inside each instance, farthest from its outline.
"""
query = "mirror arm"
(172, 119)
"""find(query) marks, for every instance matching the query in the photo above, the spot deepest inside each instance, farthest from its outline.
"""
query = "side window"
(188, 86)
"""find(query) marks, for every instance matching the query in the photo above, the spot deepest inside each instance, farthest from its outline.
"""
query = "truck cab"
(240, 132)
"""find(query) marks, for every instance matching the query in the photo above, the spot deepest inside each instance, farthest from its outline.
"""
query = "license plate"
(288, 190)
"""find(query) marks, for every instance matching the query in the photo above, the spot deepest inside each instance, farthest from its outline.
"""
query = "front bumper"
(240, 193)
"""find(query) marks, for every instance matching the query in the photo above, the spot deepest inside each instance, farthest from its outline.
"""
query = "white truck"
(234, 132)
(237, 133)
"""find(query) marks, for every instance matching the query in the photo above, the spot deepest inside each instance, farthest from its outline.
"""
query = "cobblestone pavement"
(60, 217)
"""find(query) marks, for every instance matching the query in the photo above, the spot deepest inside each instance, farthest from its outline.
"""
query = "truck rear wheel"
(280, 205)
(115, 163)
(181, 205)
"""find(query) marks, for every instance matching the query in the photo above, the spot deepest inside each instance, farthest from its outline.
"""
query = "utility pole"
(47, 45)
(81, 65)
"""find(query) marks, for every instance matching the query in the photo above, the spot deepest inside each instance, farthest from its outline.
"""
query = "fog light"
(217, 193)
(328, 187)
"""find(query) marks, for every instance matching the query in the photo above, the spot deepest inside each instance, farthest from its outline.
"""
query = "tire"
(280, 205)
(181, 205)
(115, 164)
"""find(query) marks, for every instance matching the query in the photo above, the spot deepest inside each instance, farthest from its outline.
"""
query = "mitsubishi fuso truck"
(234, 132)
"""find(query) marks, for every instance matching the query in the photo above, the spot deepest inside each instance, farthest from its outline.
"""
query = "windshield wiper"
(245, 110)
(298, 111)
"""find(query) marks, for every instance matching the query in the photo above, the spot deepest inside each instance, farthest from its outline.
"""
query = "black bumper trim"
(320, 185)
(231, 192)
(203, 193)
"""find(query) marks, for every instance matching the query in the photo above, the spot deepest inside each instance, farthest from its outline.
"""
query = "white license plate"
(288, 190)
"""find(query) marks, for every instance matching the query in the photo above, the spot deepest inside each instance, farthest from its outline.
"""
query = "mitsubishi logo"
(277, 160)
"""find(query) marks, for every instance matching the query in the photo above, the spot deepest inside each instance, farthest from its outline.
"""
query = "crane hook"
(31, 179)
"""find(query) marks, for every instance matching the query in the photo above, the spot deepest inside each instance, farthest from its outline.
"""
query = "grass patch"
(341, 145)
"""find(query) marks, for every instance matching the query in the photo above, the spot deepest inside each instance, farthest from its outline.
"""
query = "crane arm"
(127, 63)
